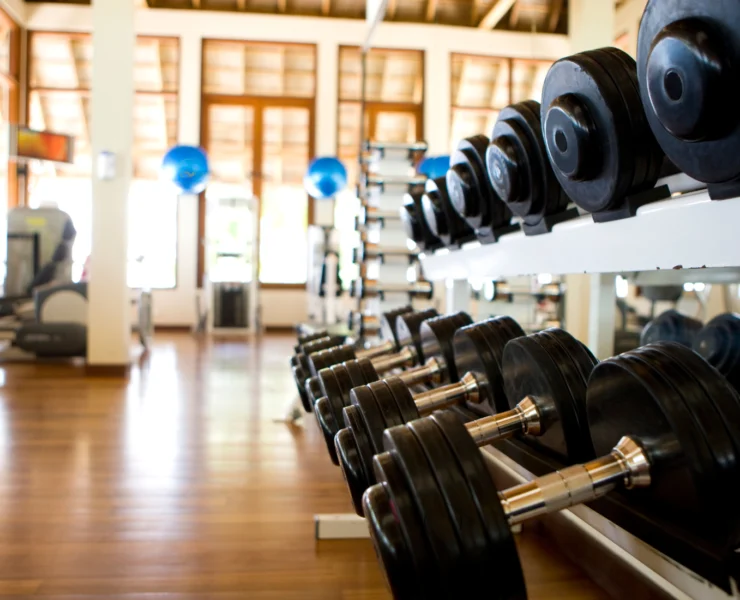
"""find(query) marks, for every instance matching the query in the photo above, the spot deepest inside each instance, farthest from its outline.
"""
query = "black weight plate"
(638, 128)
(412, 525)
(327, 358)
(331, 389)
(460, 507)
(688, 393)
(386, 403)
(327, 425)
(708, 420)
(445, 545)
(388, 323)
(353, 468)
(650, 146)
(529, 371)
(515, 330)
(625, 398)
(436, 340)
(719, 344)
(582, 77)
(407, 328)
(353, 420)
(497, 338)
(671, 326)
(513, 170)
(557, 201)
(404, 399)
(390, 544)
(576, 387)
(294, 361)
(473, 355)
(299, 378)
(714, 158)
(509, 576)
(313, 390)
(358, 374)
(364, 398)
(345, 385)
(578, 352)
(368, 370)
(322, 344)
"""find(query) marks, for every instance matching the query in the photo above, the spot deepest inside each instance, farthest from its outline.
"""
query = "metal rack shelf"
(678, 234)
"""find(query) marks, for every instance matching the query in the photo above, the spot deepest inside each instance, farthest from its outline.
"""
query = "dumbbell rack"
(384, 256)
(686, 238)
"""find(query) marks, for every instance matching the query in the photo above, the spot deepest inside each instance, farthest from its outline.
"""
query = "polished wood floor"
(179, 483)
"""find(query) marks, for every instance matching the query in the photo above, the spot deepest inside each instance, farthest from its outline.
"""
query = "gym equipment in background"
(718, 342)
(662, 421)
(440, 216)
(597, 136)
(671, 326)
(325, 178)
(187, 168)
(434, 167)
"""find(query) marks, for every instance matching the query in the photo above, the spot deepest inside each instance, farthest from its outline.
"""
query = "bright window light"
(489, 290)
(544, 278)
(699, 287)
(411, 274)
(476, 284)
(622, 287)
(688, 287)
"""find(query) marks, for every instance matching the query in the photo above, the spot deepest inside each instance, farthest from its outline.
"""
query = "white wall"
(284, 308)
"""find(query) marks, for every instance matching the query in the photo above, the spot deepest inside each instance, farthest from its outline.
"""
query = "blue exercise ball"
(434, 167)
(187, 168)
(326, 177)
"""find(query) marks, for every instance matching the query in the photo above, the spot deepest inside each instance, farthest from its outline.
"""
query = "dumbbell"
(396, 351)
(441, 218)
(368, 251)
(470, 190)
(718, 343)
(671, 326)
(596, 132)
(663, 423)
(370, 288)
(365, 324)
(547, 403)
(371, 215)
(519, 170)
(310, 337)
(414, 223)
(431, 347)
(688, 55)
(300, 365)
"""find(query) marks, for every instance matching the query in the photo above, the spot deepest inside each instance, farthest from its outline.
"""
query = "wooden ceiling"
(519, 15)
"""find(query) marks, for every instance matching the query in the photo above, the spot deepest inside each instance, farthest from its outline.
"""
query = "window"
(59, 100)
(483, 85)
(259, 107)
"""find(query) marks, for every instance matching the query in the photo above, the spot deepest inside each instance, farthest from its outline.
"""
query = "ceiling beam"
(325, 8)
(495, 14)
(195, 3)
(431, 11)
(241, 5)
(516, 12)
(556, 9)
(282, 5)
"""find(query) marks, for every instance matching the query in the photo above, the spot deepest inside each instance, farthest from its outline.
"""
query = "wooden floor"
(178, 484)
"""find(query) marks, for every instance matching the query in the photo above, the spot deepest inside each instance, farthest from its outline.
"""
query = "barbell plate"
(328, 425)
(719, 344)
(386, 403)
(408, 329)
(390, 544)
(364, 398)
(333, 390)
(625, 398)
(508, 569)
(437, 336)
(421, 483)
(404, 399)
(353, 420)
(576, 388)
(671, 326)
(412, 525)
(578, 352)
(460, 507)
(353, 468)
(388, 321)
(361, 372)
(530, 371)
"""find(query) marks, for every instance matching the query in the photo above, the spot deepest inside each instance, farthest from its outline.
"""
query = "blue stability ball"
(187, 168)
(434, 167)
(326, 177)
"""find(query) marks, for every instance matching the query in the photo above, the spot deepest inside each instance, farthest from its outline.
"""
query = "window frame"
(258, 103)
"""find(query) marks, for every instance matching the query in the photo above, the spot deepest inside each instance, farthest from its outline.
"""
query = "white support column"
(591, 24)
(602, 315)
(437, 82)
(458, 296)
(109, 327)
(326, 118)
